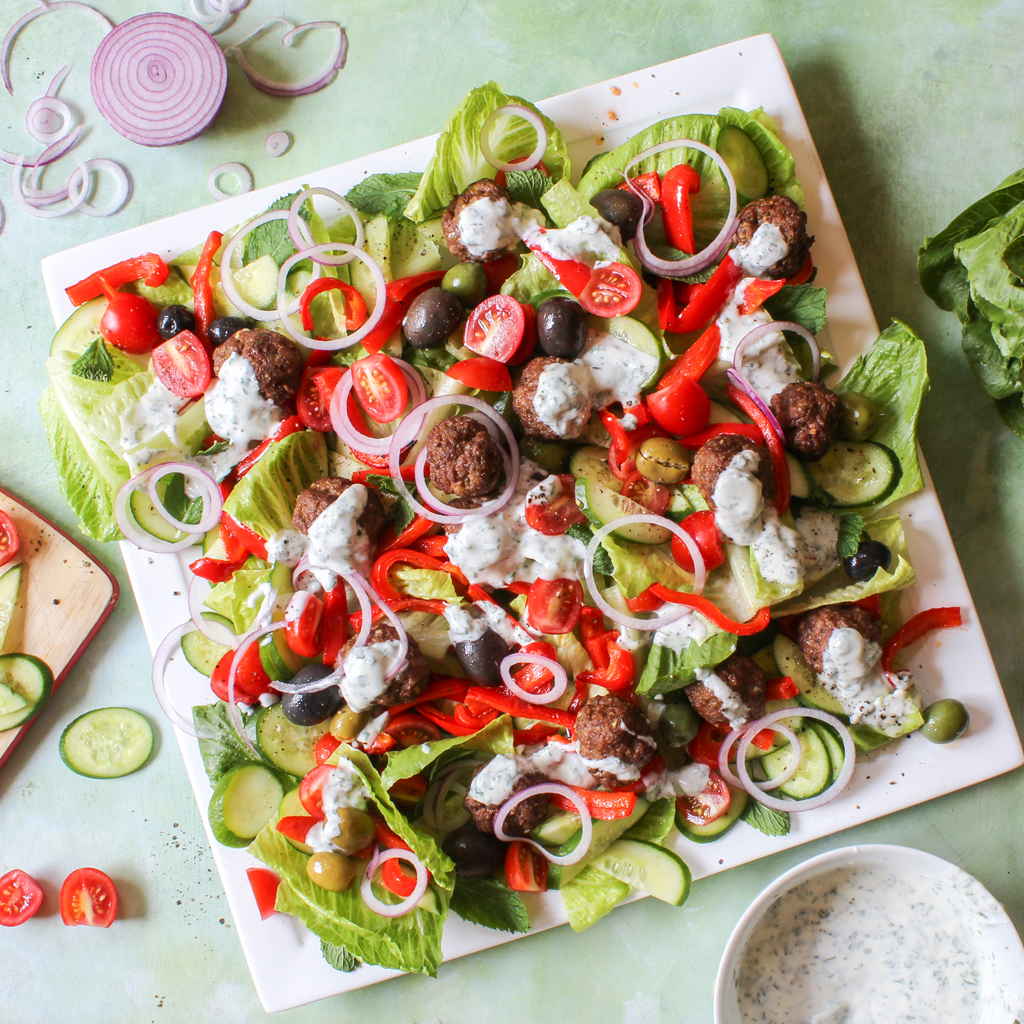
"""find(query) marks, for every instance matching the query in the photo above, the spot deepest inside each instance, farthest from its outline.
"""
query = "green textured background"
(916, 111)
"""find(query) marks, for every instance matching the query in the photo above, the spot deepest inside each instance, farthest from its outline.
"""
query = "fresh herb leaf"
(177, 502)
(527, 186)
(219, 744)
(94, 363)
(339, 957)
(490, 903)
(436, 358)
(802, 303)
(273, 236)
(851, 532)
(216, 448)
(766, 819)
(386, 194)
(602, 560)
(397, 509)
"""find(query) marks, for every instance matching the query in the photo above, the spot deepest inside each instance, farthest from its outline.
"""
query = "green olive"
(859, 418)
(663, 460)
(331, 871)
(945, 721)
(348, 724)
(549, 455)
(678, 724)
(356, 829)
(467, 282)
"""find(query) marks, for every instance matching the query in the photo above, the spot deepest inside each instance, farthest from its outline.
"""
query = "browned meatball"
(792, 224)
(485, 189)
(275, 359)
(809, 416)
(817, 625)
(322, 493)
(464, 459)
(523, 818)
(410, 682)
(713, 458)
(610, 727)
(525, 391)
(744, 677)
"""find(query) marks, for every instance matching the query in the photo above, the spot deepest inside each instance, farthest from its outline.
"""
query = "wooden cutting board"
(64, 598)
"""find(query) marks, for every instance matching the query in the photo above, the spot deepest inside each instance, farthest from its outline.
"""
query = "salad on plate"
(533, 544)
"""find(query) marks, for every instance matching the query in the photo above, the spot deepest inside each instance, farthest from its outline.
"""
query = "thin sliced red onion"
(215, 631)
(408, 429)
(410, 902)
(708, 255)
(213, 503)
(669, 615)
(45, 8)
(849, 762)
(164, 653)
(379, 284)
(131, 529)
(75, 203)
(48, 155)
(38, 123)
(436, 796)
(241, 174)
(313, 686)
(58, 80)
(315, 82)
(221, 17)
(514, 110)
(120, 176)
(561, 790)
(347, 208)
(304, 566)
(774, 327)
(754, 728)
(363, 597)
(277, 143)
(738, 380)
(558, 684)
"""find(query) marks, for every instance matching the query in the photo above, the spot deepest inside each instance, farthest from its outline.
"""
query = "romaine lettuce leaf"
(532, 282)
(667, 670)
(219, 744)
(637, 566)
(231, 599)
(105, 420)
(590, 895)
(431, 584)
(760, 129)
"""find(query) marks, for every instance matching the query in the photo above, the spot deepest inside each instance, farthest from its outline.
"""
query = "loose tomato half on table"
(20, 898)
(88, 897)
(8, 538)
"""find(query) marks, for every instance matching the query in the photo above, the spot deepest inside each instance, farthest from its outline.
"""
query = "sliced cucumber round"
(107, 743)
(814, 774)
(10, 581)
(715, 829)
(245, 799)
(790, 660)
(744, 159)
(202, 653)
(647, 867)
(856, 474)
(632, 332)
(80, 329)
(559, 828)
(148, 519)
(278, 659)
(25, 686)
(285, 744)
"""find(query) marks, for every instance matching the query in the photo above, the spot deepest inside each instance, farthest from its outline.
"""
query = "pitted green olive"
(663, 460)
(678, 724)
(859, 418)
(552, 456)
(331, 871)
(945, 721)
(467, 282)
(356, 829)
(348, 724)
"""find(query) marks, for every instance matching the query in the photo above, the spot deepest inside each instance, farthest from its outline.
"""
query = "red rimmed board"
(64, 598)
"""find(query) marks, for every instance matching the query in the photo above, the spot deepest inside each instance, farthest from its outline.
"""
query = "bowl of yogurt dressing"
(872, 935)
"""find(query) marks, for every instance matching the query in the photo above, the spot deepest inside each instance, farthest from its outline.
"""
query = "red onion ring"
(362, 594)
(131, 529)
(35, 119)
(236, 718)
(775, 327)
(120, 176)
(277, 144)
(517, 110)
(410, 902)
(313, 686)
(284, 90)
(163, 655)
(159, 79)
(347, 208)
(669, 616)
(849, 762)
(558, 684)
(218, 21)
(408, 428)
(791, 769)
(213, 503)
(398, 661)
(548, 787)
(48, 155)
(299, 569)
(738, 380)
(215, 631)
(437, 793)
(241, 173)
(19, 196)
(708, 255)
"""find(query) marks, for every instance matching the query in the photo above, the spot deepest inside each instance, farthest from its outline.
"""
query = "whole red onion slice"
(516, 110)
(410, 902)
(48, 120)
(558, 788)
(754, 728)
(164, 653)
(558, 684)
(774, 327)
(347, 207)
(131, 529)
(120, 177)
(159, 79)
(212, 630)
(241, 174)
(738, 380)
(708, 255)
(28, 207)
(212, 500)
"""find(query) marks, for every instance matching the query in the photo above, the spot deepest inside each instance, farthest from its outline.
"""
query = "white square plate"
(283, 956)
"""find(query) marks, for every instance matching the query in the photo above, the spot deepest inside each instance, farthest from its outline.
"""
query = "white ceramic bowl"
(999, 936)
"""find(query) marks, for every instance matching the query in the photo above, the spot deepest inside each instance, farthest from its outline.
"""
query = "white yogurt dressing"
(561, 762)
(343, 787)
(363, 672)
(733, 706)
(819, 535)
(587, 240)
(739, 499)
(489, 224)
(678, 634)
(778, 551)
(155, 413)
(765, 248)
(287, 547)
(562, 399)
(463, 626)
(617, 369)
(337, 543)
(496, 780)
(690, 780)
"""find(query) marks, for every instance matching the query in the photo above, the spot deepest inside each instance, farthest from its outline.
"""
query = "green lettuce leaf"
(656, 824)
(636, 566)
(760, 129)
(231, 599)
(491, 903)
(532, 282)
(590, 895)
(1000, 374)
(219, 744)
(426, 583)
(105, 420)
(667, 670)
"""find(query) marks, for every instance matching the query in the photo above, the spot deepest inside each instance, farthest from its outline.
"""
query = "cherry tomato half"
(411, 730)
(525, 868)
(20, 898)
(380, 386)
(708, 805)
(702, 528)
(311, 790)
(8, 538)
(495, 328)
(182, 365)
(682, 408)
(556, 516)
(554, 606)
(483, 373)
(251, 681)
(313, 399)
(653, 496)
(303, 631)
(129, 323)
(264, 885)
(613, 290)
(88, 897)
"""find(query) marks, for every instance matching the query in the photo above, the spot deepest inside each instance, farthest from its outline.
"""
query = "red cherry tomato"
(556, 516)
(129, 323)
(613, 290)
(20, 898)
(311, 790)
(525, 868)
(708, 805)
(702, 528)
(325, 746)
(182, 365)
(683, 408)
(313, 410)
(88, 897)
(380, 386)
(264, 887)
(495, 328)
(529, 342)
(8, 538)
(251, 681)
(554, 606)
(483, 373)
(303, 632)
(653, 496)
(410, 730)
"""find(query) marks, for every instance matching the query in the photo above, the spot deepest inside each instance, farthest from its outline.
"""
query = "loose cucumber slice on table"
(10, 581)
(647, 867)
(25, 686)
(856, 474)
(107, 743)
(245, 799)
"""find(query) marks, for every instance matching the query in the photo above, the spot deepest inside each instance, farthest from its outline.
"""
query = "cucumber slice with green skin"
(245, 799)
(651, 869)
(716, 829)
(148, 519)
(799, 485)
(814, 774)
(212, 538)
(744, 159)
(80, 329)
(605, 833)
(286, 745)
(278, 659)
(9, 584)
(201, 652)
(107, 743)
(633, 333)
(834, 746)
(25, 686)
(291, 806)
(856, 474)
(257, 282)
(790, 660)
(558, 829)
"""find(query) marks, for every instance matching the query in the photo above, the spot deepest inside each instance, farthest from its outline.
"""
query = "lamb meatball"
(713, 458)
(322, 493)
(275, 359)
(747, 682)
(565, 406)
(817, 625)
(472, 245)
(526, 815)
(414, 676)
(809, 416)
(464, 459)
(792, 224)
(610, 727)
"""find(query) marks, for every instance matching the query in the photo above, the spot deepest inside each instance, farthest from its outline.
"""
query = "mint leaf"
(273, 236)
(491, 903)
(94, 363)
(527, 186)
(398, 510)
(602, 560)
(766, 819)
(339, 957)
(386, 194)
(802, 303)
(178, 504)
(216, 448)
(851, 532)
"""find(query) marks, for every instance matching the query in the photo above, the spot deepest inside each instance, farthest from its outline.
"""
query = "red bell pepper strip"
(334, 622)
(465, 717)
(355, 307)
(780, 467)
(872, 605)
(446, 722)
(803, 275)
(617, 675)
(387, 837)
(676, 187)
(362, 476)
(381, 744)
(441, 689)
(782, 688)
(620, 440)
(696, 360)
(756, 292)
(764, 739)
(249, 539)
(648, 601)
(216, 570)
(202, 290)
(710, 611)
(264, 884)
(709, 300)
(403, 604)
(398, 295)
(148, 267)
(412, 532)
(433, 545)
(666, 302)
(603, 806)
(538, 734)
(913, 630)
(572, 275)
(532, 677)
(296, 826)
(648, 184)
(325, 746)
(289, 425)
(511, 705)
(705, 746)
(714, 429)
